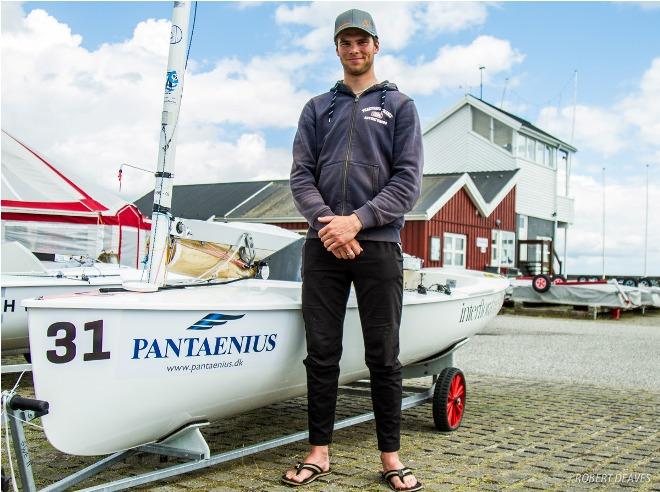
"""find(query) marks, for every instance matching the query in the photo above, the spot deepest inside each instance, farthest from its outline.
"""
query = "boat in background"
(24, 276)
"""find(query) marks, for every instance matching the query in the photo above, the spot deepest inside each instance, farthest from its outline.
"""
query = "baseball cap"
(355, 18)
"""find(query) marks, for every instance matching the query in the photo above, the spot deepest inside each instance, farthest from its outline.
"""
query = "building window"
(531, 149)
(454, 250)
(540, 152)
(535, 151)
(502, 135)
(481, 123)
(492, 130)
(505, 240)
(435, 248)
(522, 146)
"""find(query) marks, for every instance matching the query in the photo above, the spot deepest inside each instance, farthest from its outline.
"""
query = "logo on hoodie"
(375, 113)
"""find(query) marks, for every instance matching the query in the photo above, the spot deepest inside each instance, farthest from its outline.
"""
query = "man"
(357, 166)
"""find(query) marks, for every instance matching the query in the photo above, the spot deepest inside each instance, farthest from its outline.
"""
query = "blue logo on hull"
(213, 319)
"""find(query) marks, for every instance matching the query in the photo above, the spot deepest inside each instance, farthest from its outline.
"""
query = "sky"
(82, 84)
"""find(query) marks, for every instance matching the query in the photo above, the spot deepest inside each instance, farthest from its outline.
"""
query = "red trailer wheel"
(558, 279)
(449, 399)
(541, 283)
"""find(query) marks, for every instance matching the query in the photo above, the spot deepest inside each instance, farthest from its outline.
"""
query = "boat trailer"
(448, 393)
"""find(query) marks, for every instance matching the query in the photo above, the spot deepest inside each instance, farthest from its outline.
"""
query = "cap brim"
(354, 27)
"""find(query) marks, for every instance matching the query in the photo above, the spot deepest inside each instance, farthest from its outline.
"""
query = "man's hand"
(340, 230)
(349, 251)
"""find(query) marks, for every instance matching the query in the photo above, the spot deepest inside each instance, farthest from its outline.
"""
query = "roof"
(275, 202)
(271, 201)
(523, 122)
(490, 183)
(507, 117)
(433, 187)
(486, 189)
(33, 184)
(202, 201)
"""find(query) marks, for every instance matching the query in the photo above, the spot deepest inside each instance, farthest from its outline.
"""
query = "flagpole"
(646, 223)
(603, 223)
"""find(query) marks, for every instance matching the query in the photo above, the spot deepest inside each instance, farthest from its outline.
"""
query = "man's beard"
(355, 71)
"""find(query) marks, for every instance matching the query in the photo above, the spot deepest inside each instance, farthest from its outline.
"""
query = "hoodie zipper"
(348, 154)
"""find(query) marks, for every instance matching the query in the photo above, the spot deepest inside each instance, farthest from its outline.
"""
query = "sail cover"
(53, 213)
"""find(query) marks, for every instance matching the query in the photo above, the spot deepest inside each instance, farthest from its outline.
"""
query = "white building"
(476, 136)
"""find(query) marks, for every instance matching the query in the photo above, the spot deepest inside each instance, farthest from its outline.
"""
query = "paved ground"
(617, 354)
(525, 429)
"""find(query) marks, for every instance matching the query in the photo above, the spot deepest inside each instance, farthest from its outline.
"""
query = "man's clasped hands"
(338, 236)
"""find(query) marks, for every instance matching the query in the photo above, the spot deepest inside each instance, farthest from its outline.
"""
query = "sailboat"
(233, 253)
(121, 368)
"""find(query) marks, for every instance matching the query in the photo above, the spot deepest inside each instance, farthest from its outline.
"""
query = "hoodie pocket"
(330, 185)
(362, 184)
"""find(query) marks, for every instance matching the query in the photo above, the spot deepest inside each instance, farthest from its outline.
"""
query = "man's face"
(356, 50)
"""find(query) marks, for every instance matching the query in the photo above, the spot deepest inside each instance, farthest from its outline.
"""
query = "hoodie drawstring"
(334, 90)
(332, 102)
(382, 98)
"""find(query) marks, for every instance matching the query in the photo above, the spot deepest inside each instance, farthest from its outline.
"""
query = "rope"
(214, 269)
(192, 31)
(27, 423)
(332, 101)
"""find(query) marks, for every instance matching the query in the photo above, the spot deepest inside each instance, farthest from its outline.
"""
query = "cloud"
(625, 201)
(599, 129)
(646, 5)
(50, 79)
(248, 157)
(260, 93)
(642, 109)
(244, 5)
(90, 111)
(397, 22)
(453, 16)
(633, 122)
(453, 66)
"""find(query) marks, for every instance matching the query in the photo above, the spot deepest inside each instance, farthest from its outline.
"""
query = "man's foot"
(403, 480)
(319, 456)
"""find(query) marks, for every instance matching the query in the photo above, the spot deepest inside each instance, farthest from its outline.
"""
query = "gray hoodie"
(358, 154)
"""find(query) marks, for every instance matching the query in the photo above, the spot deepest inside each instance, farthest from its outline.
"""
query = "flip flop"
(316, 473)
(403, 472)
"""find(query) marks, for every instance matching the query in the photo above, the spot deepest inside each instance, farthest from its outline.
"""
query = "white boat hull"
(150, 372)
(15, 289)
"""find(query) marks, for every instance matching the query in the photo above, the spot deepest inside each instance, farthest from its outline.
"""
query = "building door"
(522, 234)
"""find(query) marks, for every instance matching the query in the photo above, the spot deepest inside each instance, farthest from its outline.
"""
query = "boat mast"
(161, 216)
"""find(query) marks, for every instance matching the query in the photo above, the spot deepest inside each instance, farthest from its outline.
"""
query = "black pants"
(377, 274)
